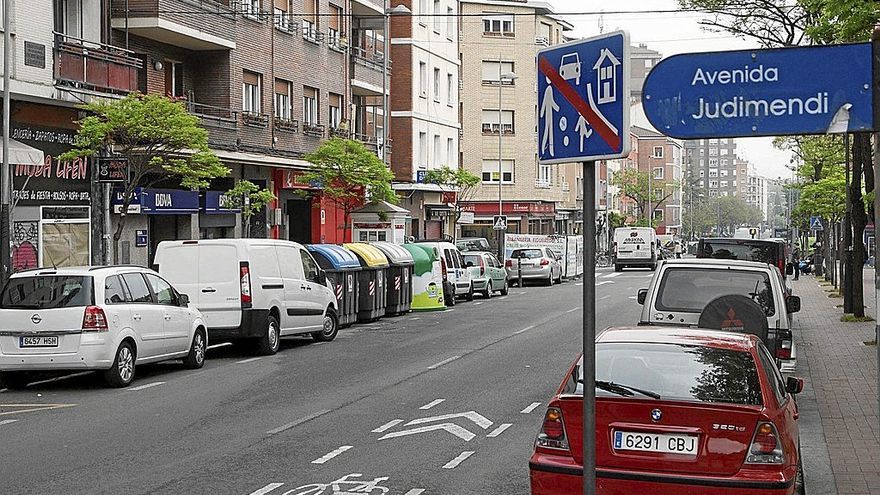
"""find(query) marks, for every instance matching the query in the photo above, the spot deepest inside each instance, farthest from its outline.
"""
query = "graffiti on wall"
(25, 242)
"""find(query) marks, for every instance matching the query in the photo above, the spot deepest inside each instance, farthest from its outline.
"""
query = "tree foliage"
(726, 212)
(460, 180)
(157, 136)
(772, 23)
(642, 189)
(248, 197)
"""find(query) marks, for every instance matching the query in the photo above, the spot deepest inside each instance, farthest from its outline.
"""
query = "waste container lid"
(333, 257)
(423, 256)
(368, 255)
(395, 253)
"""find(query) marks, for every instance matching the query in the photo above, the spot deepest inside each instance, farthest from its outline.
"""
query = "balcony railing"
(340, 132)
(310, 32)
(286, 125)
(542, 184)
(490, 128)
(313, 130)
(542, 41)
(368, 58)
(95, 66)
(211, 116)
(254, 119)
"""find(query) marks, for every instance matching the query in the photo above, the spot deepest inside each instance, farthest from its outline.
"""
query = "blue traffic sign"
(816, 223)
(583, 100)
(784, 91)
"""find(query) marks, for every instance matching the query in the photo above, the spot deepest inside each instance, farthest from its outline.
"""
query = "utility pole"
(5, 175)
(876, 97)
(847, 237)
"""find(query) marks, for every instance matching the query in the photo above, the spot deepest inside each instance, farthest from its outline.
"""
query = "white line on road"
(387, 426)
(458, 460)
(631, 297)
(572, 310)
(249, 360)
(431, 404)
(526, 329)
(441, 363)
(297, 422)
(453, 428)
(499, 430)
(3, 390)
(612, 275)
(222, 344)
(604, 297)
(331, 455)
(521, 293)
(579, 284)
(7, 421)
(415, 318)
(604, 282)
(266, 489)
(530, 408)
(146, 386)
(478, 303)
(415, 491)
(449, 310)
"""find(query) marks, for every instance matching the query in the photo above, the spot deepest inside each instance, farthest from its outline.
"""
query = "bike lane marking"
(7, 421)
(415, 491)
(431, 404)
(297, 422)
(441, 363)
(531, 407)
(458, 460)
(387, 426)
(499, 430)
(331, 455)
(266, 489)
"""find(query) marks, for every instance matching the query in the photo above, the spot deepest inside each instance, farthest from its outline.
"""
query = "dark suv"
(762, 250)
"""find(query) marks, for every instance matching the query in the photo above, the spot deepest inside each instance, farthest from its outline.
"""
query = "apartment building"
(714, 167)
(642, 60)
(499, 43)
(425, 124)
(661, 158)
(756, 194)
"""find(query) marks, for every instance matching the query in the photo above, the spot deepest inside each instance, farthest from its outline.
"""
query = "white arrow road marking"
(458, 460)
(456, 430)
(531, 407)
(266, 489)
(441, 363)
(415, 491)
(477, 418)
(387, 426)
(331, 455)
(144, 387)
(431, 404)
(499, 430)
(7, 422)
(250, 360)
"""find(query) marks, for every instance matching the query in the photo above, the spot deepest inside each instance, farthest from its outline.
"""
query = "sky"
(670, 34)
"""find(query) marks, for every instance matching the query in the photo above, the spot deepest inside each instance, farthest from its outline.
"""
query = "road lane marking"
(631, 297)
(579, 284)
(60, 378)
(3, 390)
(249, 360)
(416, 318)
(266, 489)
(144, 387)
(612, 275)
(499, 430)
(478, 303)
(7, 422)
(387, 426)
(297, 422)
(526, 329)
(431, 404)
(531, 407)
(453, 428)
(441, 363)
(474, 416)
(415, 491)
(521, 293)
(572, 310)
(222, 344)
(458, 460)
(25, 408)
(604, 297)
(604, 282)
(331, 455)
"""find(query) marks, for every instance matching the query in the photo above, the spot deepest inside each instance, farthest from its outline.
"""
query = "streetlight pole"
(502, 76)
(5, 176)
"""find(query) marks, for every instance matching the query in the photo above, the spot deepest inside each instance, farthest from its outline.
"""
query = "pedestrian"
(676, 248)
(796, 261)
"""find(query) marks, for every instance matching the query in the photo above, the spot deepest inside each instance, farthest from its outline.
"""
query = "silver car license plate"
(47, 341)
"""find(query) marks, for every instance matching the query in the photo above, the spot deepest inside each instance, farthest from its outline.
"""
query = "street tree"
(250, 199)
(458, 180)
(644, 191)
(346, 172)
(157, 136)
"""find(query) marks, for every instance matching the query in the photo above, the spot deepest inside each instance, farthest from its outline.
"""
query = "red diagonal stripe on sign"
(606, 133)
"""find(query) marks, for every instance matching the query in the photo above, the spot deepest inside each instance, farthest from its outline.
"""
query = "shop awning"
(22, 154)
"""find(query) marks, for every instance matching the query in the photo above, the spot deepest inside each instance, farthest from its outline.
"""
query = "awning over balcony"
(22, 154)
(172, 33)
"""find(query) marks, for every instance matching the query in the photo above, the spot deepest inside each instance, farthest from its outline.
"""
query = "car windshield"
(689, 290)
(47, 292)
(472, 245)
(675, 372)
(527, 253)
(473, 258)
(763, 252)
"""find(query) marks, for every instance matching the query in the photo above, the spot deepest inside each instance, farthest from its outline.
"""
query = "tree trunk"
(861, 164)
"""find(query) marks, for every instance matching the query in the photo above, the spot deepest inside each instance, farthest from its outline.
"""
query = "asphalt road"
(430, 403)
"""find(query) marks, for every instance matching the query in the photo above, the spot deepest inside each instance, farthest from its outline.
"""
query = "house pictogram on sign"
(606, 76)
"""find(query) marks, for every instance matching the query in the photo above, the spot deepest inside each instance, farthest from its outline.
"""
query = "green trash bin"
(427, 279)
(399, 286)
(371, 284)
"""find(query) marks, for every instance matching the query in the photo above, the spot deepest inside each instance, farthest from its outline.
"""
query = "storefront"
(218, 216)
(155, 215)
(307, 217)
(534, 217)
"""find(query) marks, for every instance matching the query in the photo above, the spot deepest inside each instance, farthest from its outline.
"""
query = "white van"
(635, 246)
(456, 275)
(255, 289)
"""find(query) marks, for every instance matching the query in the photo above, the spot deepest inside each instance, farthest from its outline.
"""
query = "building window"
(733, 172)
(492, 72)
(713, 172)
(702, 152)
(450, 90)
(702, 183)
(310, 106)
(713, 184)
(498, 25)
(437, 160)
(490, 122)
(713, 151)
(724, 183)
(251, 8)
(545, 175)
(438, 19)
(658, 215)
(310, 20)
(423, 79)
(423, 150)
(281, 18)
(450, 23)
(173, 78)
(702, 173)
(724, 173)
(334, 21)
(436, 84)
(724, 151)
(282, 99)
(658, 152)
(658, 172)
(713, 162)
(713, 141)
(335, 107)
(490, 171)
(724, 162)
(251, 93)
(450, 152)
(423, 9)
(713, 193)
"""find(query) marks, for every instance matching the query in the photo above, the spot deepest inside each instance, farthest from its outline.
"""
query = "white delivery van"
(635, 247)
(252, 289)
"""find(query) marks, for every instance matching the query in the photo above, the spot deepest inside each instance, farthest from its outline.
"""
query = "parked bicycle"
(603, 259)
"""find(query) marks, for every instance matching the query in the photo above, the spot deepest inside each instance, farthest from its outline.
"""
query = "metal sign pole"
(6, 174)
(589, 328)
(876, 99)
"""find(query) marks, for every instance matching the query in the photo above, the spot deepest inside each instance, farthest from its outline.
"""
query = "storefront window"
(64, 237)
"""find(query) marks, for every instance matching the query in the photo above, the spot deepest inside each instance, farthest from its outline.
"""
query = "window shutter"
(251, 78)
(282, 87)
(282, 5)
(335, 14)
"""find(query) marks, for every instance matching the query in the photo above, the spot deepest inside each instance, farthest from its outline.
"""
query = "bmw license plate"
(656, 442)
(48, 341)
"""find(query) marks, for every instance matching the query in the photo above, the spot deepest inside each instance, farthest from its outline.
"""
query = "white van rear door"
(219, 285)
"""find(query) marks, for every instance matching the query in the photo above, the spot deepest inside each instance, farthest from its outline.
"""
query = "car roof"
(739, 240)
(83, 270)
(714, 263)
(679, 335)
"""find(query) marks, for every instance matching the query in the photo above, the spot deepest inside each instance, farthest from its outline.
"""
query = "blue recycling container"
(343, 273)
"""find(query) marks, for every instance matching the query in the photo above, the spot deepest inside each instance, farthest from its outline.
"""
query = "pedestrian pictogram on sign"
(816, 223)
(499, 222)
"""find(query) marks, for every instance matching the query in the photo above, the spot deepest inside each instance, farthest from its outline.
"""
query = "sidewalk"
(840, 431)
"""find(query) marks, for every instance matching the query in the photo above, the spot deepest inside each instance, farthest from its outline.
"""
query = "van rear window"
(47, 292)
(760, 252)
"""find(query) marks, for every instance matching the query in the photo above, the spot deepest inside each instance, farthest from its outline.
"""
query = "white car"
(109, 319)
(570, 68)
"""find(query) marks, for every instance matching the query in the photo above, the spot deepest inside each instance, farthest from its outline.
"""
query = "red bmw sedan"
(678, 411)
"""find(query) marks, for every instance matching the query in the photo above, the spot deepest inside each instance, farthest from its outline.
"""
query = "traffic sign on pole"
(499, 222)
(816, 223)
(773, 92)
(583, 100)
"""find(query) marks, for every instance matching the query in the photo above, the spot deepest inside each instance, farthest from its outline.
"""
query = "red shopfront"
(525, 217)
(308, 217)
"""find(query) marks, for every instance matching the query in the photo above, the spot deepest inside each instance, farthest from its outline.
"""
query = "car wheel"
(549, 281)
(196, 357)
(470, 294)
(506, 289)
(330, 328)
(121, 373)
(15, 380)
(559, 278)
(271, 340)
(618, 268)
(489, 290)
(450, 298)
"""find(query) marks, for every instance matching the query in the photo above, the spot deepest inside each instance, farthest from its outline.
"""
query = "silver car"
(539, 263)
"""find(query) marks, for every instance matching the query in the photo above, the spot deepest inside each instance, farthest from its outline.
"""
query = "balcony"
(542, 184)
(191, 24)
(286, 125)
(367, 70)
(339, 132)
(214, 117)
(313, 130)
(254, 119)
(95, 66)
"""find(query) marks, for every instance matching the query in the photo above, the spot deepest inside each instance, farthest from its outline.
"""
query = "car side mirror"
(794, 385)
(322, 277)
(643, 294)
(793, 304)
(183, 300)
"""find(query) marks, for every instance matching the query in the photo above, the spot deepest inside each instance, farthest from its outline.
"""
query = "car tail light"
(781, 264)
(784, 350)
(94, 320)
(245, 281)
(545, 262)
(552, 434)
(482, 266)
(443, 269)
(508, 263)
(766, 447)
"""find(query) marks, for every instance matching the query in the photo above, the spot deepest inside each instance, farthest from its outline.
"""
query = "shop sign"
(513, 208)
(53, 182)
(219, 203)
(159, 201)
(141, 238)
(113, 169)
(293, 179)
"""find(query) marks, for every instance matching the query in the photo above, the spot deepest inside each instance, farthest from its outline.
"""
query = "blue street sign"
(804, 90)
(420, 176)
(816, 223)
(583, 100)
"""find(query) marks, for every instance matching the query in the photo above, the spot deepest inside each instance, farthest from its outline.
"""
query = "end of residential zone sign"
(802, 90)
(583, 100)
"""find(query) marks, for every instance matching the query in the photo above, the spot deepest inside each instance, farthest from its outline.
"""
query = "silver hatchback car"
(539, 263)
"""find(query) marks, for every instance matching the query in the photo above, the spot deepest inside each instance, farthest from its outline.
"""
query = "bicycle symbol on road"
(346, 485)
